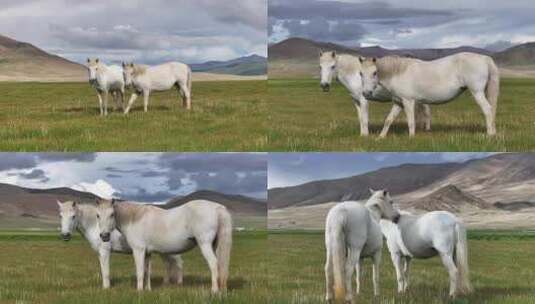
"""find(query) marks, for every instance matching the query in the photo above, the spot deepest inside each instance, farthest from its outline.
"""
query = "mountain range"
(36, 208)
(21, 61)
(496, 191)
(298, 57)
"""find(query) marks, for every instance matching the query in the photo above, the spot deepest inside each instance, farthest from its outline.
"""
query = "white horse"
(349, 71)
(413, 81)
(145, 79)
(151, 229)
(433, 233)
(352, 232)
(83, 218)
(106, 79)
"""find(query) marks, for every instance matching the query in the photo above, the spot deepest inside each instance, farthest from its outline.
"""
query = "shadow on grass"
(479, 295)
(112, 111)
(188, 281)
(400, 128)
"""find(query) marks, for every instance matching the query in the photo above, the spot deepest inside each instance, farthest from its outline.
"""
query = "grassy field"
(501, 272)
(302, 118)
(39, 268)
(226, 116)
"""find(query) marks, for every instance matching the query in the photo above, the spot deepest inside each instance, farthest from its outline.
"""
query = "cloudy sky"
(494, 24)
(290, 169)
(149, 31)
(144, 177)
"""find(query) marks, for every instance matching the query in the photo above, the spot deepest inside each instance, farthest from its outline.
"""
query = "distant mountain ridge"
(27, 207)
(506, 177)
(244, 66)
(21, 61)
(298, 56)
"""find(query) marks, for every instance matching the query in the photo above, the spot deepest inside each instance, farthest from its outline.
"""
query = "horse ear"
(361, 59)
(74, 203)
(371, 190)
(88, 60)
(374, 59)
(123, 64)
(113, 201)
(385, 192)
(321, 52)
(97, 201)
(59, 203)
(334, 54)
(96, 60)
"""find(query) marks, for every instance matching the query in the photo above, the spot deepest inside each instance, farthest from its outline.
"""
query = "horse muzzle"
(92, 82)
(105, 237)
(396, 219)
(325, 87)
(66, 237)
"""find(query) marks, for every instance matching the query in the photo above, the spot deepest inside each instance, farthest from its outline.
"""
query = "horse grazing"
(83, 217)
(106, 79)
(349, 71)
(412, 81)
(352, 232)
(149, 229)
(145, 79)
(433, 233)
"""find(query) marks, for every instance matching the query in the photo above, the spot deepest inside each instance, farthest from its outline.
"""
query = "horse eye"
(333, 67)
(98, 216)
(374, 73)
(361, 75)
(72, 217)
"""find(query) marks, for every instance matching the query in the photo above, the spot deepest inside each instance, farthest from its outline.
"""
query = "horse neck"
(375, 215)
(347, 65)
(121, 210)
(86, 218)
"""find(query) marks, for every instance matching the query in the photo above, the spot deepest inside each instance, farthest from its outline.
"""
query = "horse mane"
(140, 69)
(130, 212)
(390, 66)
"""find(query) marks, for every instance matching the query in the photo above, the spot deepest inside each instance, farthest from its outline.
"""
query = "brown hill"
(520, 55)
(237, 204)
(448, 198)
(297, 57)
(20, 61)
(398, 180)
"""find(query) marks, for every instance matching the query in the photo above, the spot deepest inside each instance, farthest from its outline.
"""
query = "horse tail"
(461, 260)
(493, 86)
(224, 245)
(337, 249)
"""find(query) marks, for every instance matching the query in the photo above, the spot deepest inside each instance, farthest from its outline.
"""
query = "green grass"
(501, 272)
(226, 116)
(302, 118)
(39, 268)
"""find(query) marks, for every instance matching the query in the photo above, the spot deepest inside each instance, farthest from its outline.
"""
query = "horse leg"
(396, 109)
(364, 116)
(357, 276)
(329, 278)
(208, 253)
(148, 266)
(396, 260)
(179, 269)
(186, 95)
(104, 259)
(100, 103)
(122, 99)
(448, 262)
(427, 114)
(376, 265)
(146, 100)
(363, 130)
(485, 106)
(351, 264)
(408, 106)
(106, 103)
(130, 102)
(406, 267)
(139, 259)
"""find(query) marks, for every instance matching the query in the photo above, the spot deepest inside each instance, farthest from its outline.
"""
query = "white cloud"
(100, 188)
